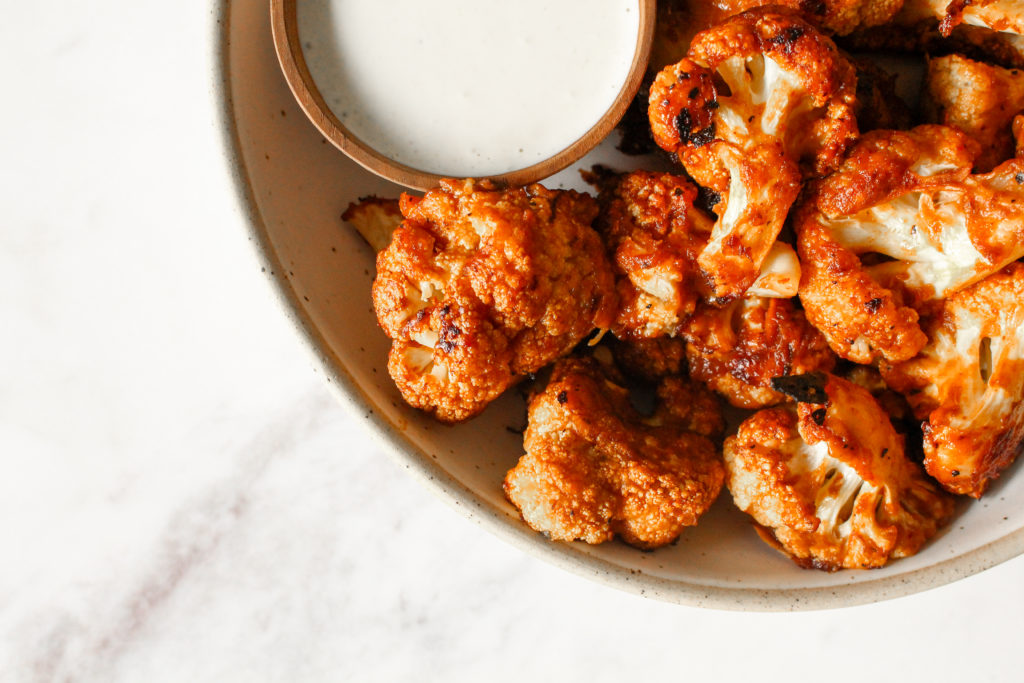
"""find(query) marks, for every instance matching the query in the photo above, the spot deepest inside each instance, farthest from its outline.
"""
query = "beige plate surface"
(293, 186)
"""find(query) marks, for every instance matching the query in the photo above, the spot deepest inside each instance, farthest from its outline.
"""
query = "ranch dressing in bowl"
(469, 87)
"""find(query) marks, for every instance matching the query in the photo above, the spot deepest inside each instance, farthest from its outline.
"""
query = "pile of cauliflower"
(821, 308)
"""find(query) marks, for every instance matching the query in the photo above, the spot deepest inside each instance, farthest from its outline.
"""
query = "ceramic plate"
(293, 187)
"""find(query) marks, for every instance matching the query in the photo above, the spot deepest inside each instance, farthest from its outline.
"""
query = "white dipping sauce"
(469, 87)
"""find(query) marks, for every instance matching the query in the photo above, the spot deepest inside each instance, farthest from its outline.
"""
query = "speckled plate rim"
(453, 492)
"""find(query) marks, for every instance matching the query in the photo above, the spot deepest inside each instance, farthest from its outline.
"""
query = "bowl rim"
(460, 497)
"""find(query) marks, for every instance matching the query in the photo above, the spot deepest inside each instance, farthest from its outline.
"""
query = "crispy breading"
(761, 101)
(738, 349)
(650, 359)
(843, 16)
(594, 467)
(979, 99)
(908, 197)
(481, 286)
(690, 406)
(653, 232)
(828, 482)
(968, 383)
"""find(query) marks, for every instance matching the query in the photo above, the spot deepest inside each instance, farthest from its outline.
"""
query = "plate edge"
(458, 496)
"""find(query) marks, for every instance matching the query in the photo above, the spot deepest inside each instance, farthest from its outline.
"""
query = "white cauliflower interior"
(998, 15)
(829, 483)
(926, 233)
(762, 101)
(375, 220)
(757, 187)
(780, 274)
(765, 102)
(841, 485)
(968, 383)
(901, 225)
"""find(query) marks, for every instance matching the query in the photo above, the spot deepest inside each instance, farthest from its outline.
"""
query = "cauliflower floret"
(676, 23)
(832, 16)
(843, 16)
(738, 349)
(374, 219)
(779, 277)
(828, 482)
(878, 103)
(979, 99)
(902, 223)
(650, 359)
(917, 29)
(679, 20)
(480, 287)
(997, 15)
(594, 467)
(760, 97)
(893, 403)
(653, 232)
(968, 383)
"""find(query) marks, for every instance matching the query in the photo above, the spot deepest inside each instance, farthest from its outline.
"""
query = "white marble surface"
(182, 499)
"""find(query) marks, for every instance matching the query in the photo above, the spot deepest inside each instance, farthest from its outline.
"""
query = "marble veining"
(183, 500)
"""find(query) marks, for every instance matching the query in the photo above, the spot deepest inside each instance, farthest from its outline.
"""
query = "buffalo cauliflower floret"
(993, 15)
(979, 99)
(653, 233)
(762, 100)
(480, 287)
(893, 403)
(679, 20)
(738, 349)
(916, 28)
(997, 15)
(828, 483)
(832, 16)
(779, 277)
(676, 23)
(903, 223)
(843, 16)
(594, 467)
(968, 383)
(374, 219)
(878, 103)
(650, 359)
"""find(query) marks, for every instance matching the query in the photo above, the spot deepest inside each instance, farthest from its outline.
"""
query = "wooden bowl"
(284, 25)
